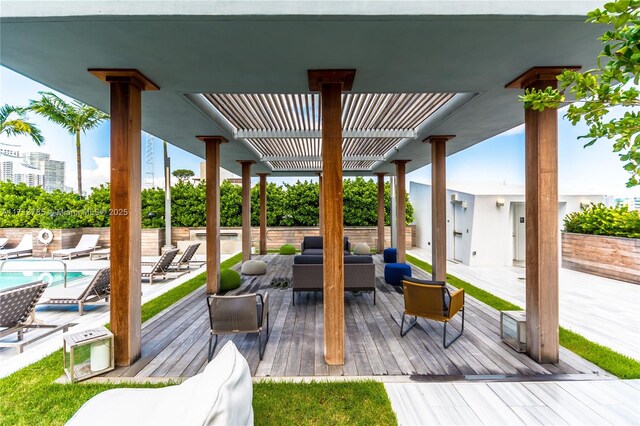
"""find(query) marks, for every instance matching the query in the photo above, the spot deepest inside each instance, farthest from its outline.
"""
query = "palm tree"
(13, 122)
(75, 117)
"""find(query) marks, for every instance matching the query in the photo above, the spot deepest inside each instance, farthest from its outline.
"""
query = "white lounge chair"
(16, 313)
(3, 242)
(24, 248)
(221, 395)
(151, 270)
(87, 244)
(99, 288)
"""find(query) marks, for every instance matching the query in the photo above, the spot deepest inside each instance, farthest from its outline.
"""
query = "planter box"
(610, 257)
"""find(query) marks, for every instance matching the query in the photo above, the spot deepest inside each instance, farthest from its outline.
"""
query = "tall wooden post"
(541, 204)
(331, 83)
(246, 209)
(401, 213)
(380, 245)
(212, 182)
(320, 218)
(263, 212)
(439, 205)
(126, 127)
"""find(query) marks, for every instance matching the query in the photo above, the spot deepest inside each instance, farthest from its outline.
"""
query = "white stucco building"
(485, 222)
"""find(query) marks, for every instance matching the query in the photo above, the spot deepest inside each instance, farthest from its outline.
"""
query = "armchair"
(431, 300)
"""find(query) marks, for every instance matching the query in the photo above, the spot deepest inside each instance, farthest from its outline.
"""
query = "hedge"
(288, 205)
(598, 219)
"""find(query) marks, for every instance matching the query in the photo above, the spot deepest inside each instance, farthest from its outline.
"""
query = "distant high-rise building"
(32, 168)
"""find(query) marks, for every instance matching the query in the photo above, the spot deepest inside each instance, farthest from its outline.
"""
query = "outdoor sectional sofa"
(359, 274)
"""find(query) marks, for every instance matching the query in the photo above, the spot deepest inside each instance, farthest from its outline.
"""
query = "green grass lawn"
(30, 396)
(614, 362)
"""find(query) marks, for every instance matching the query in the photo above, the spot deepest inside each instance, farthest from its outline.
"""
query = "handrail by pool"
(64, 265)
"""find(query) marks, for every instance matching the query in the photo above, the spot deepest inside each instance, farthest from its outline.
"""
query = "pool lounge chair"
(3, 242)
(16, 314)
(24, 248)
(99, 288)
(186, 258)
(151, 270)
(87, 244)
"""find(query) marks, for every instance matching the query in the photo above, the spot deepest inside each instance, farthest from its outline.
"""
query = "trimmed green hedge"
(288, 205)
(598, 219)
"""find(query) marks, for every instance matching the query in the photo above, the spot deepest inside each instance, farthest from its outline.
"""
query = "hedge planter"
(610, 257)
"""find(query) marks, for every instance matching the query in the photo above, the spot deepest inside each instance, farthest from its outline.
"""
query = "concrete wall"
(487, 230)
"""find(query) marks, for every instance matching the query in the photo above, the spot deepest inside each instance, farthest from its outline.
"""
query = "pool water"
(14, 279)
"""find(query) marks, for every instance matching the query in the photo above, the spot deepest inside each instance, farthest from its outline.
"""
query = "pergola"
(336, 89)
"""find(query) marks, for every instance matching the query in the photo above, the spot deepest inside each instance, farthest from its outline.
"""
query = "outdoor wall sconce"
(500, 202)
(585, 204)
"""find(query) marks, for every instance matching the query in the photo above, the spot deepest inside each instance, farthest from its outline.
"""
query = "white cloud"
(98, 175)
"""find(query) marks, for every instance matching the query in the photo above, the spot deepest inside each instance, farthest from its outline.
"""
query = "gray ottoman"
(254, 267)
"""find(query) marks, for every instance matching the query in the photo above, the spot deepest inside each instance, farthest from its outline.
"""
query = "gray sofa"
(359, 274)
(313, 246)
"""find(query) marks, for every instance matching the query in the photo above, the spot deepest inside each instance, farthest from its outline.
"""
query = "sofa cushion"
(308, 260)
(222, 394)
(357, 259)
(312, 243)
(312, 251)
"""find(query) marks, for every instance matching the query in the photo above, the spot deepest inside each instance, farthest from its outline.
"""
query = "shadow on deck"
(174, 343)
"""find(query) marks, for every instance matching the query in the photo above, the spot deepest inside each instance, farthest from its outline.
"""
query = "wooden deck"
(174, 343)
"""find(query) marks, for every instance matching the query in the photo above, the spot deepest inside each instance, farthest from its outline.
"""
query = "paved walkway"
(602, 310)
(601, 402)
(95, 314)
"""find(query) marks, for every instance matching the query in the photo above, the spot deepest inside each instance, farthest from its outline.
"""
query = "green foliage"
(275, 204)
(613, 83)
(13, 122)
(597, 219)
(188, 204)
(229, 280)
(300, 204)
(287, 249)
(183, 174)
(288, 205)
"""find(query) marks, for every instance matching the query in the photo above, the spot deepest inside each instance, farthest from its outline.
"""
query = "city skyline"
(499, 159)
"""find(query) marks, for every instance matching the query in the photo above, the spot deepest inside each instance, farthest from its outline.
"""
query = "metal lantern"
(513, 329)
(87, 353)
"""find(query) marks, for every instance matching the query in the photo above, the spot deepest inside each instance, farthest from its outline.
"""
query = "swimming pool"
(13, 279)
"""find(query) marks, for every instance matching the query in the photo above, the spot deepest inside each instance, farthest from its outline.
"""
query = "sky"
(592, 170)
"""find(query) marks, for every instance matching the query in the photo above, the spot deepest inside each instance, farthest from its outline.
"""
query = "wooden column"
(401, 213)
(320, 202)
(438, 205)
(331, 83)
(126, 127)
(246, 209)
(541, 204)
(380, 245)
(263, 212)
(212, 182)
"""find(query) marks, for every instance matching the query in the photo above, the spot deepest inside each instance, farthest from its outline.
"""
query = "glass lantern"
(87, 353)
(513, 329)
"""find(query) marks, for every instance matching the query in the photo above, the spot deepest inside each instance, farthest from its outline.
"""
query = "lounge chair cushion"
(60, 292)
(362, 248)
(254, 267)
(313, 252)
(221, 395)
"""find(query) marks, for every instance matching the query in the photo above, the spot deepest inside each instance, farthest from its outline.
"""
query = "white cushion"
(221, 395)
(362, 248)
(254, 267)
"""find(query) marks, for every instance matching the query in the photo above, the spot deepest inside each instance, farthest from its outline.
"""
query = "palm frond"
(18, 126)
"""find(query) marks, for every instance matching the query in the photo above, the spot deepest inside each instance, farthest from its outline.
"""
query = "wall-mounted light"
(463, 204)
(500, 202)
(584, 204)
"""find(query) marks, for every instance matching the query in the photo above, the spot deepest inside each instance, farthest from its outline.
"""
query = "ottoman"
(390, 255)
(393, 272)
(254, 267)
